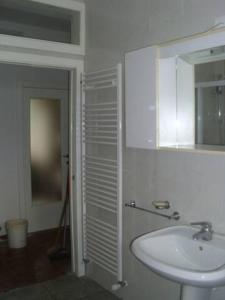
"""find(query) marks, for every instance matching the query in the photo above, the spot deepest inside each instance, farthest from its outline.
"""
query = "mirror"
(210, 103)
(201, 98)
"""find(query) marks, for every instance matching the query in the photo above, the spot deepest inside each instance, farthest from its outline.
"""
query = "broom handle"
(63, 211)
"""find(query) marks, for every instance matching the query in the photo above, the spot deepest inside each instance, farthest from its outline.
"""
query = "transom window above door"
(52, 21)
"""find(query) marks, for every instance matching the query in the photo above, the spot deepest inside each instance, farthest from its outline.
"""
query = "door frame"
(75, 65)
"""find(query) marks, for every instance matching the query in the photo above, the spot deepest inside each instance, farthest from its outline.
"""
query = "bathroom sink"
(174, 254)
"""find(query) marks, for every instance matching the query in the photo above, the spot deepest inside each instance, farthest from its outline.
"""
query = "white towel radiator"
(102, 169)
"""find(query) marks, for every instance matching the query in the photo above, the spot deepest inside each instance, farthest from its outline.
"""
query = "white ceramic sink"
(174, 254)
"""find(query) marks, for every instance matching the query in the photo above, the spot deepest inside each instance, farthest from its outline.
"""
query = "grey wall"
(11, 78)
(193, 183)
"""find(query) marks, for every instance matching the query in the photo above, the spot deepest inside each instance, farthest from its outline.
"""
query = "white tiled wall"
(193, 183)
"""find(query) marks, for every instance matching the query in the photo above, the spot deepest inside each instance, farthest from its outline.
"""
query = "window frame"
(24, 43)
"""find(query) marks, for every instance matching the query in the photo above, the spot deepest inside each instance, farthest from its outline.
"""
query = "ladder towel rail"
(102, 168)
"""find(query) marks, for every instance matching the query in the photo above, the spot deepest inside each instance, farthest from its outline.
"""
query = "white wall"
(10, 77)
(193, 183)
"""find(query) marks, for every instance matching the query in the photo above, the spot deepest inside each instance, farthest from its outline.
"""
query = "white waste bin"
(17, 233)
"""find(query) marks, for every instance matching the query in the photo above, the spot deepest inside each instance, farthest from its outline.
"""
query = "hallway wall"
(193, 183)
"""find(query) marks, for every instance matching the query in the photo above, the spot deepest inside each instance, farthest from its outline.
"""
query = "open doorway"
(34, 137)
(46, 142)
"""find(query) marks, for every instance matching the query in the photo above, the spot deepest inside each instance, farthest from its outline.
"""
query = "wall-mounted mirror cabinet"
(180, 87)
(191, 106)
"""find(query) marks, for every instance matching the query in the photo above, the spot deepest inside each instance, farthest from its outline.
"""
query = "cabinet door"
(141, 94)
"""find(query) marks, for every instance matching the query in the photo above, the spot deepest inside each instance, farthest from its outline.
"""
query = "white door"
(46, 155)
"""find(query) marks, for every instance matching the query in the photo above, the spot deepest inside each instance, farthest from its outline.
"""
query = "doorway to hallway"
(34, 139)
(46, 160)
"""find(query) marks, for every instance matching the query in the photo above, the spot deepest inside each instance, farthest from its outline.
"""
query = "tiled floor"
(67, 287)
(30, 265)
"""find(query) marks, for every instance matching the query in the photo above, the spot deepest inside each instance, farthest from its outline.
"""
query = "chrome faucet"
(205, 233)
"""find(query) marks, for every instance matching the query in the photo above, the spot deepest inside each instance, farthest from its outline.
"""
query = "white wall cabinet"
(141, 98)
(160, 92)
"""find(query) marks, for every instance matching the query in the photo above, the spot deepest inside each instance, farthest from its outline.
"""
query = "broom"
(58, 249)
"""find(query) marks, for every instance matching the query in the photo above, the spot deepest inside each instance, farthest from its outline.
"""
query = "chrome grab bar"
(174, 216)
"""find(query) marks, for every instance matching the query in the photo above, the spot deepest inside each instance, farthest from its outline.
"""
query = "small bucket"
(17, 233)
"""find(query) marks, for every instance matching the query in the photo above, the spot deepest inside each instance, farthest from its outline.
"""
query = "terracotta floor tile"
(30, 265)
